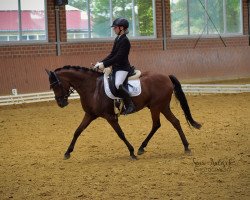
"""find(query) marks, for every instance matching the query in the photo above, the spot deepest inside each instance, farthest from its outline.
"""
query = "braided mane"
(78, 68)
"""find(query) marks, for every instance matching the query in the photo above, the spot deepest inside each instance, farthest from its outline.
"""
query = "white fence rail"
(215, 88)
(31, 98)
(188, 88)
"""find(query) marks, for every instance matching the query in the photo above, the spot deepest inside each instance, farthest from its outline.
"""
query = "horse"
(157, 90)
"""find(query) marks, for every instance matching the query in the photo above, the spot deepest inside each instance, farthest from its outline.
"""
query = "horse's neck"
(80, 81)
(88, 88)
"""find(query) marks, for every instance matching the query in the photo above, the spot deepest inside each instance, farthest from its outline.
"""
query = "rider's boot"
(129, 105)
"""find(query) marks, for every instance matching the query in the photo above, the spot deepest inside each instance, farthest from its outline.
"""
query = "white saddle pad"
(134, 88)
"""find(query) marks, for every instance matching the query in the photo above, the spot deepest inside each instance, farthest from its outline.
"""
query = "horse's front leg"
(84, 124)
(114, 123)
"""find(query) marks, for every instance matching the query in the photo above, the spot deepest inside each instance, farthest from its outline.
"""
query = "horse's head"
(61, 89)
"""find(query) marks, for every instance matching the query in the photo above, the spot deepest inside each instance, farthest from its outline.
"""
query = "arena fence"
(187, 88)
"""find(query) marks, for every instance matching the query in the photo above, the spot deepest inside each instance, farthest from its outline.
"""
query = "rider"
(118, 59)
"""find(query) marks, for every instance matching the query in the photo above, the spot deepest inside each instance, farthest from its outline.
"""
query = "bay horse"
(157, 90)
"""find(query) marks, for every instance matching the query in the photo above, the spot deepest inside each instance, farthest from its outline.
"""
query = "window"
(22, 20)
(206, 17)
(3, 38)
(92, 18)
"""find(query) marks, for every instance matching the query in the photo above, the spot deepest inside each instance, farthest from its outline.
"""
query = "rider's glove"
(107, 70)
(99, 65)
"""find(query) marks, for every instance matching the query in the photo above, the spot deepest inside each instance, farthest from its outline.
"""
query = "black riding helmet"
(120, 22)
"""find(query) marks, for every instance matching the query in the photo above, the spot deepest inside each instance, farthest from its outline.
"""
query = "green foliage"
(179, 18)
(145, 17)
(80, 4)
(205, 17)
(233, 16)
(102, 16)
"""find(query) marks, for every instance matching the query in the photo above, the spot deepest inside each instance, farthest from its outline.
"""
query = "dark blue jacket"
(118, 58)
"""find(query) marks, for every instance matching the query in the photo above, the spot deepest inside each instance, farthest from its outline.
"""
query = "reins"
(58, 83)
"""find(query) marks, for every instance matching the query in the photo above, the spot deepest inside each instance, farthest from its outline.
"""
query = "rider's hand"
(107, 70)
(99, 65)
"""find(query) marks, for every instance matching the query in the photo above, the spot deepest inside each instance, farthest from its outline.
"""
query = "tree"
(80, 4)
(102, 15)
(145, 17)
(233, 16)
(205, 15)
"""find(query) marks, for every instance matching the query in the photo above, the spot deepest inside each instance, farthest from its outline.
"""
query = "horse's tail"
(183, 101)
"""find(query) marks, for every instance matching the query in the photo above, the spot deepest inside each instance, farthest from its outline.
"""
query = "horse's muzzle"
(63, 103)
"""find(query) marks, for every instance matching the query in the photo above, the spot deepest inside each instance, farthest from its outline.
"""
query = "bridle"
(57, 82)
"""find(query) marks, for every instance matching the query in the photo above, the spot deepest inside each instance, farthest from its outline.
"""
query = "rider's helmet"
(121, 22)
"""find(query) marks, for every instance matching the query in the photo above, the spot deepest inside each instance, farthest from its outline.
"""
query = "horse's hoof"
(66, 156)
(133, 157)
(188, 152)
(141, 151)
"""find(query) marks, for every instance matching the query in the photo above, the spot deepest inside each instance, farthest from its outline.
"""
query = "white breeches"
(120, 77)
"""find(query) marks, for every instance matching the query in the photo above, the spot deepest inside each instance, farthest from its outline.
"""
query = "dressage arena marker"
(187, 88)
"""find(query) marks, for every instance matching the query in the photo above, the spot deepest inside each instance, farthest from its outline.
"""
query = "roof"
(35, 20)
(30, 20)
(76, 20)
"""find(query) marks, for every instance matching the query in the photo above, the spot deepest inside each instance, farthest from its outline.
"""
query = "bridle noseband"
(58, 83)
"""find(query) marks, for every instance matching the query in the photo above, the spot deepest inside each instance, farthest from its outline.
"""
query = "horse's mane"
(78, 68)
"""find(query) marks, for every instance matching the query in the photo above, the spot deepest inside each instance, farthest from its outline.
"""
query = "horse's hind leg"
(114, 123)
(176, 123)
(85, 122)
(155, 114)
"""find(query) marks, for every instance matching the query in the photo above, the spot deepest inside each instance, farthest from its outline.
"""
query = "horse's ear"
(48, 72)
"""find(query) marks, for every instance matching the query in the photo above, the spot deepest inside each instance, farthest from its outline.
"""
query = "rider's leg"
(120, 76)
(129, 105)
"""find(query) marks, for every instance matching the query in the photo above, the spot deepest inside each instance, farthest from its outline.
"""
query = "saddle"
(131, 83)
(132, 75)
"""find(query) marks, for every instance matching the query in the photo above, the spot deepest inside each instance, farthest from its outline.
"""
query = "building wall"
(23, 66)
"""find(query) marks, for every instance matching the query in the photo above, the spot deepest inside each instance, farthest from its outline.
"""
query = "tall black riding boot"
(129, 105)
